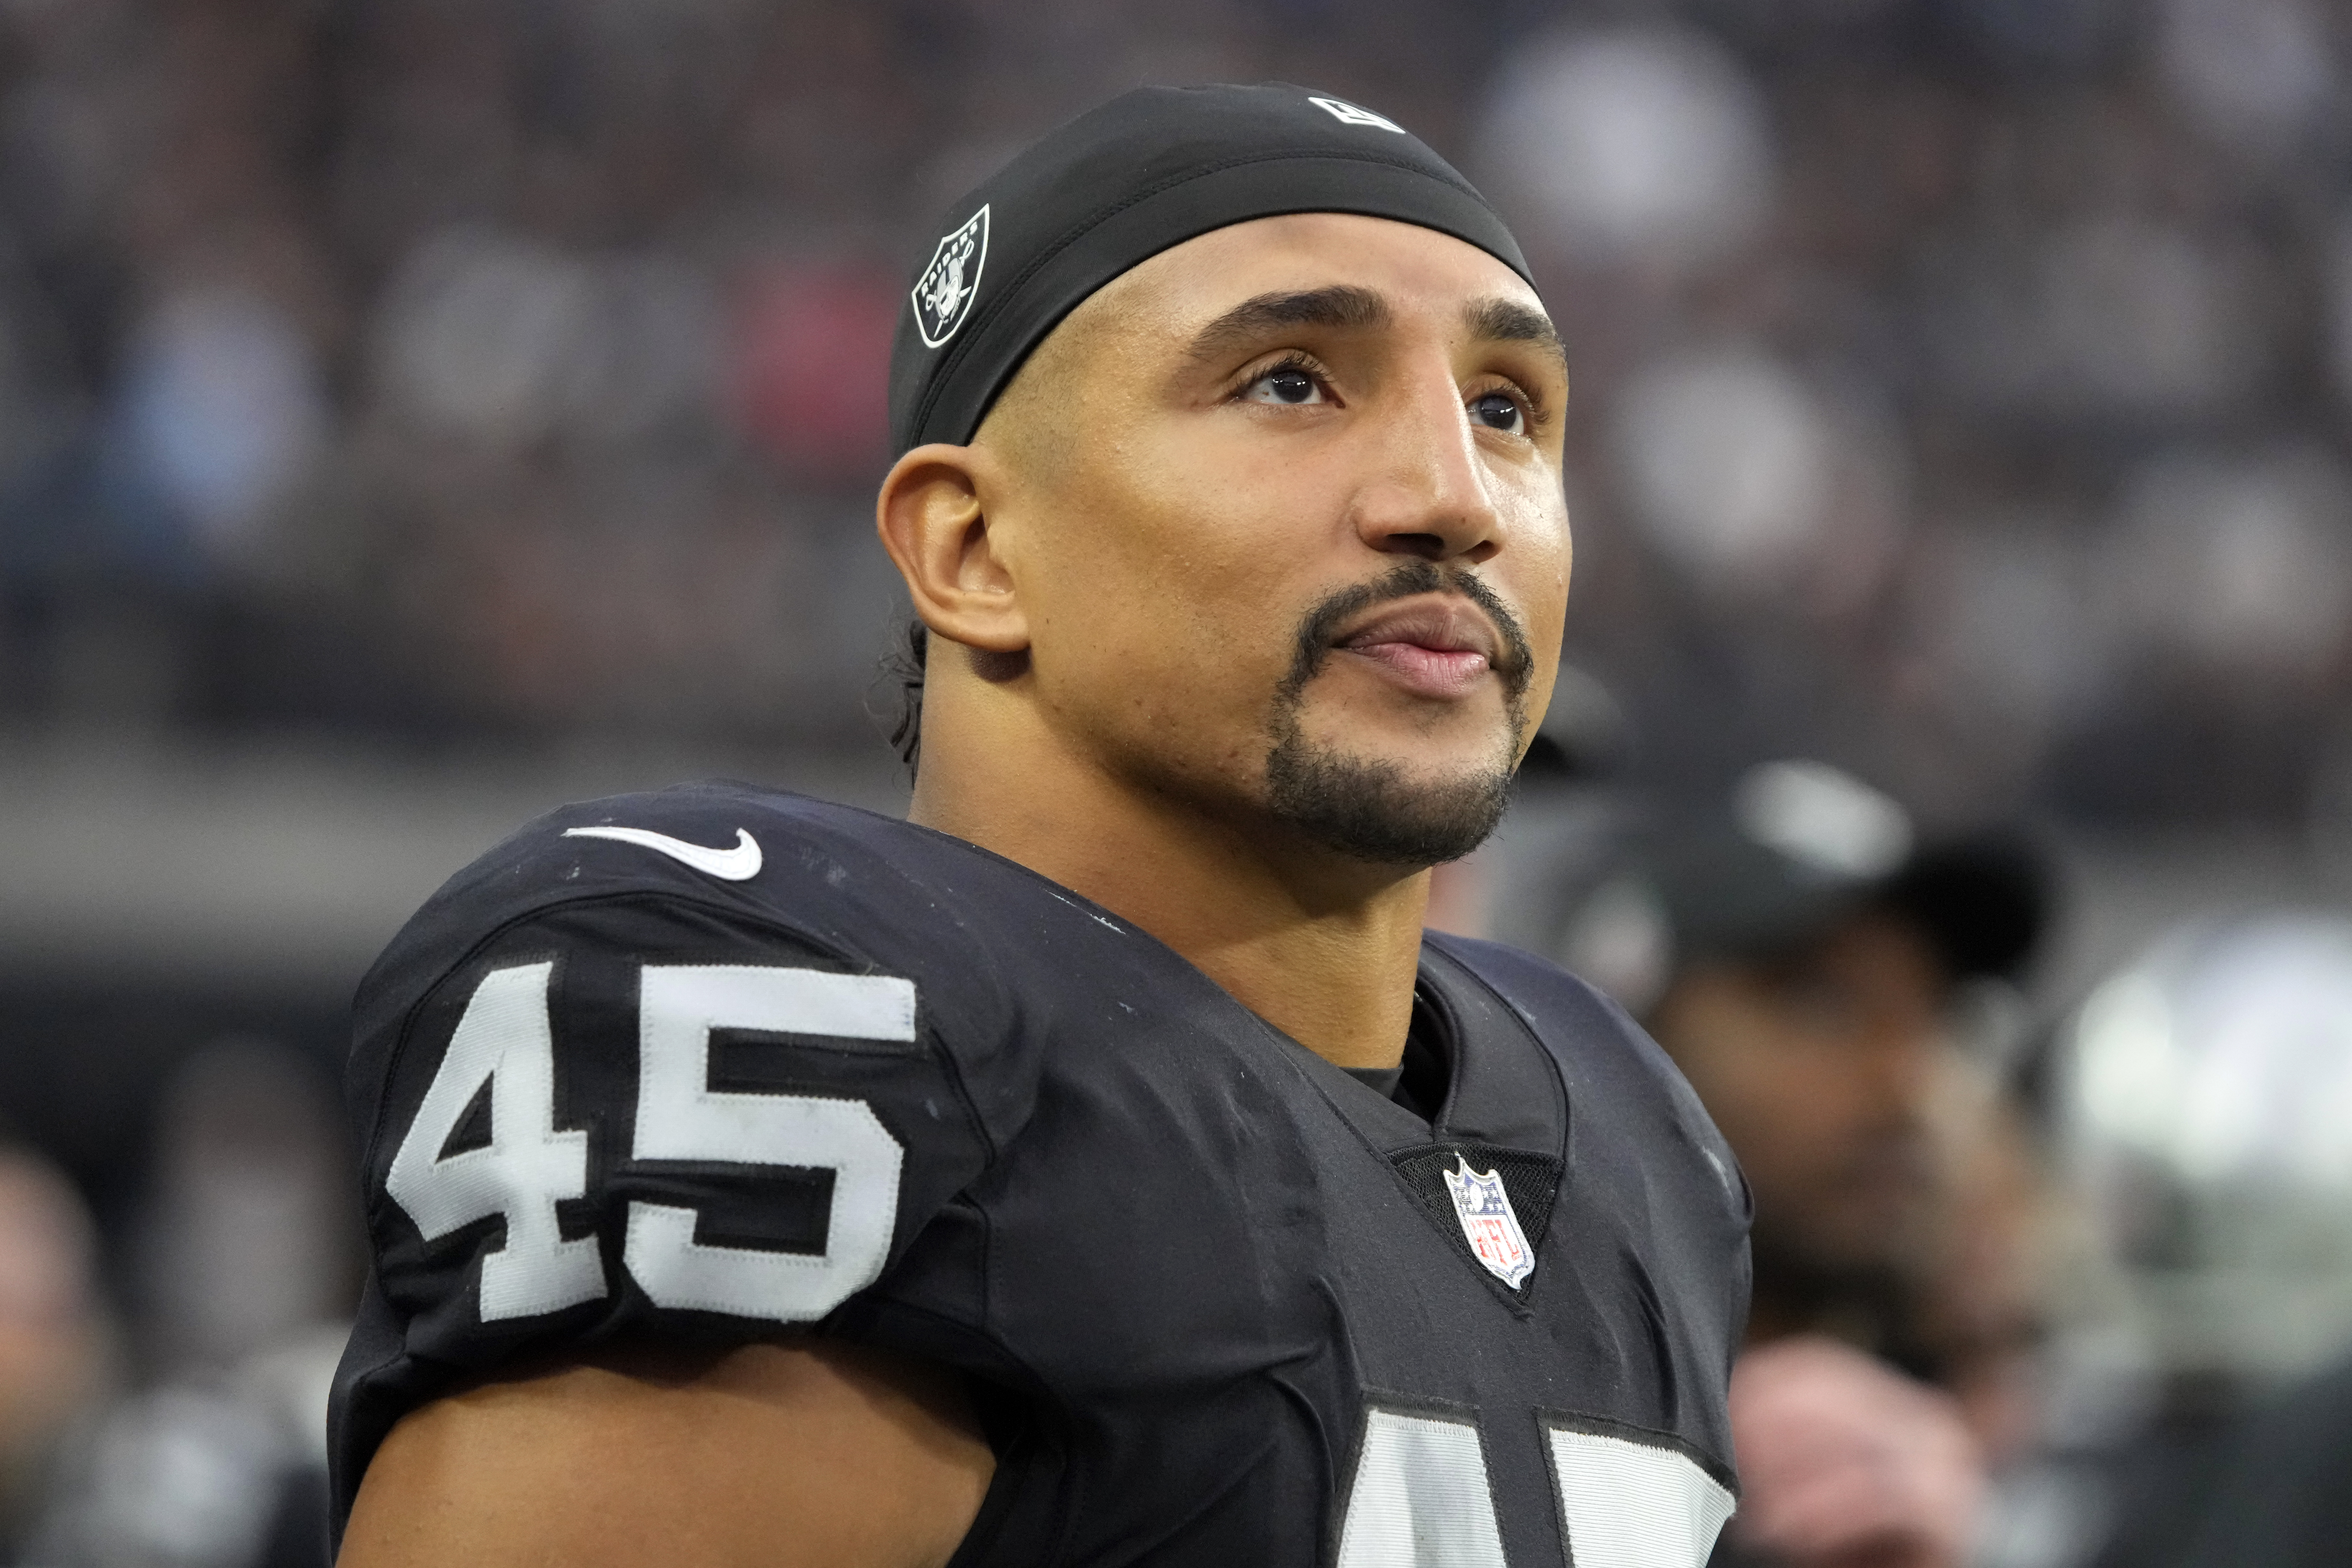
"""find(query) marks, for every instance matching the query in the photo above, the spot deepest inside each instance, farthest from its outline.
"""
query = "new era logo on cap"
(1348, 114)
(944, 294)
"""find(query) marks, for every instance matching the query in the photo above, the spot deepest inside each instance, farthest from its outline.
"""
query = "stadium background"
(413, 413)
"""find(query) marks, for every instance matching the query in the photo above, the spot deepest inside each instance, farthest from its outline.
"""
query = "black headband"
(1120, 183)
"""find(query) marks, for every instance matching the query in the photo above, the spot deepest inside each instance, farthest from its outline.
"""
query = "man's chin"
(1380, 811)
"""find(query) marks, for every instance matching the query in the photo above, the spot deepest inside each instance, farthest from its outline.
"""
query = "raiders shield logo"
(1492, 1229)
(943, 293)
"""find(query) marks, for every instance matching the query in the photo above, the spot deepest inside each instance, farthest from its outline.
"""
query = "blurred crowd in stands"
(1963, 383)
(1963, 400)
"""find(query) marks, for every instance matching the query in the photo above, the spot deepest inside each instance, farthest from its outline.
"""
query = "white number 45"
(505, 1041)
(1421, 1498)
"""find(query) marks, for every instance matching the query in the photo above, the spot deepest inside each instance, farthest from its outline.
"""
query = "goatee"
(1371, 809)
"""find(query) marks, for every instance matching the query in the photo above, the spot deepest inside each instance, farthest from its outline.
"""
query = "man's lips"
(1438, 648)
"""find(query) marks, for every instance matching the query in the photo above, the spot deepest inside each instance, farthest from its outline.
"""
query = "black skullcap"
(1122, 183)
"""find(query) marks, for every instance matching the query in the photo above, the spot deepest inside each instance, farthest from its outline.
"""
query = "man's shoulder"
(1601, 1051)
(1571, 1016)
(700, 1063)
(830, 877)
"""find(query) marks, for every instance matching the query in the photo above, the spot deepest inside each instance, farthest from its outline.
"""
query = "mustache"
(1320, 629)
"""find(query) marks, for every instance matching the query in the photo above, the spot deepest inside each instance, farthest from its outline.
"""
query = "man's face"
(1819, 1072)
(1286, 519)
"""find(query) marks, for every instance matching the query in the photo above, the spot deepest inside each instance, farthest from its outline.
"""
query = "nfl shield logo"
(943, 293)
(1487, 1221)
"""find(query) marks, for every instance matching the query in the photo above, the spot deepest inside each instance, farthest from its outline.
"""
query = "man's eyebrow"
(1340, 305)
(1504, 320)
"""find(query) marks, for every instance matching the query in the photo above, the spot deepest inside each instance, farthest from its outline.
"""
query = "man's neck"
(1323, 949)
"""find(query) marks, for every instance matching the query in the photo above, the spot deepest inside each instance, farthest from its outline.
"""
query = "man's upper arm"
(631, 1117)
(774, 1455)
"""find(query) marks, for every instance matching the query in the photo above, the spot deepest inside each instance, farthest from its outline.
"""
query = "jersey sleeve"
(634, 1115)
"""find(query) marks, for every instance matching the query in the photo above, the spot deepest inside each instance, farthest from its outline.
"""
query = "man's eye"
(1499, 411)
(1288, 385)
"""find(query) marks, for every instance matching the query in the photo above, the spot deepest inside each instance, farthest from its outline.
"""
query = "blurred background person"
(243, 1272)
(55, 1355)
(1818, 961)
(2203, 1103)
(1846, 1462)
(1812, 963)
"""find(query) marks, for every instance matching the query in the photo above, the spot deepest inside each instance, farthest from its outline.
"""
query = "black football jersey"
(721, 1065)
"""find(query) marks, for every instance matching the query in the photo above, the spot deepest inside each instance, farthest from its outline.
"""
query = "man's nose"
(1427, 493)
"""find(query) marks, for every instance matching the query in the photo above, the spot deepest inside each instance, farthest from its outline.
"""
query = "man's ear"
(933, 521)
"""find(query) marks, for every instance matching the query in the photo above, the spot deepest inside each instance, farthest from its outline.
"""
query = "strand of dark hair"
(904, 666)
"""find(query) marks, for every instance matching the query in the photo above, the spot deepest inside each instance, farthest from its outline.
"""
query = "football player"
(1102, 1166)
(1820, 956)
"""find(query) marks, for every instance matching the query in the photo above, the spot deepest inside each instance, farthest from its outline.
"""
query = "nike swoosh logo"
(739, 864)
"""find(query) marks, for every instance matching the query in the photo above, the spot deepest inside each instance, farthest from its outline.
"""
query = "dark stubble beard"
(1373, 810)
